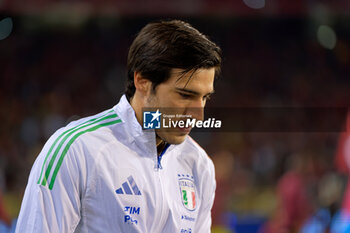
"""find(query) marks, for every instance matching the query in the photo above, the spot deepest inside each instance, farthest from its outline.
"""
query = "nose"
(196, 109)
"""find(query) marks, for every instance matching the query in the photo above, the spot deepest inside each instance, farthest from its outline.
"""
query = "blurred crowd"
(268, 182)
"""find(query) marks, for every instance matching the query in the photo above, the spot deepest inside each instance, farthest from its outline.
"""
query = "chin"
(173, 139)
(177, 140)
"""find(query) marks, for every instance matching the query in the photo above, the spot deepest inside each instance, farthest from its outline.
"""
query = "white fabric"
(84, 196)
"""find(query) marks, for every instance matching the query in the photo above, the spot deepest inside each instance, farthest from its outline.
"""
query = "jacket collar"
(132, 134)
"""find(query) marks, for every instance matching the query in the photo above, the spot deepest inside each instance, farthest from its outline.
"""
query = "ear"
(142, 85)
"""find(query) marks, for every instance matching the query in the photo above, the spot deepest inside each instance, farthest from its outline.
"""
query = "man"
(104, 173)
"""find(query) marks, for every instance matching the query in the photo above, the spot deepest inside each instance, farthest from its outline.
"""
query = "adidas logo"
(125, 189)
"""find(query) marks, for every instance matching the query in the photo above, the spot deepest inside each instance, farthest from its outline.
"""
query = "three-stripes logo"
(125, 189)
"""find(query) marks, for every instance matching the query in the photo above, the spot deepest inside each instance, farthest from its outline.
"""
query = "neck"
(160, 146)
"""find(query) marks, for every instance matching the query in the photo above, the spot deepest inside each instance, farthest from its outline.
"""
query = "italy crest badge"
(188, 191)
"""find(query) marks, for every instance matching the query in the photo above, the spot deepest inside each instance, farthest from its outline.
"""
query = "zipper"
(159, 165)
(161, 216)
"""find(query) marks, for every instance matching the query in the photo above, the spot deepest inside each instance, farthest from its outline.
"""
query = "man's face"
(187, 94)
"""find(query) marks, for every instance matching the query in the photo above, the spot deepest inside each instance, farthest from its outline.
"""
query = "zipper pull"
(156, 168)
(159, 165)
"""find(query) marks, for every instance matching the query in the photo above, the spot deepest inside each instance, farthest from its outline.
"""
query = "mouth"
(184, 129)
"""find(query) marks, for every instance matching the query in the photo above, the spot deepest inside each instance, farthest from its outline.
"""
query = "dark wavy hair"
(162, 46)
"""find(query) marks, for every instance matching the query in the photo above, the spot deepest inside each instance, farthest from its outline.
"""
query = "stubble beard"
(167, 135)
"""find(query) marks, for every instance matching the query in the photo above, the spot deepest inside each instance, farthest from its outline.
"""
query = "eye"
(207, 97)
(185, 96)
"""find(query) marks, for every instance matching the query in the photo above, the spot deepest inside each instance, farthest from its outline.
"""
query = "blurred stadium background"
(60, 60)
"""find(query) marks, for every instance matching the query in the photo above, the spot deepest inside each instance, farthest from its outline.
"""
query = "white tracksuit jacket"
(102, 174)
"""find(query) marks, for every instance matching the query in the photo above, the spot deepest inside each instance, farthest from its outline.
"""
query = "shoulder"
(89, 131)
(202, 160)
(191, 145)
(70, 147)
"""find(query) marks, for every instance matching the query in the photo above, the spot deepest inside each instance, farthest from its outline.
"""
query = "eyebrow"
(192, 92)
